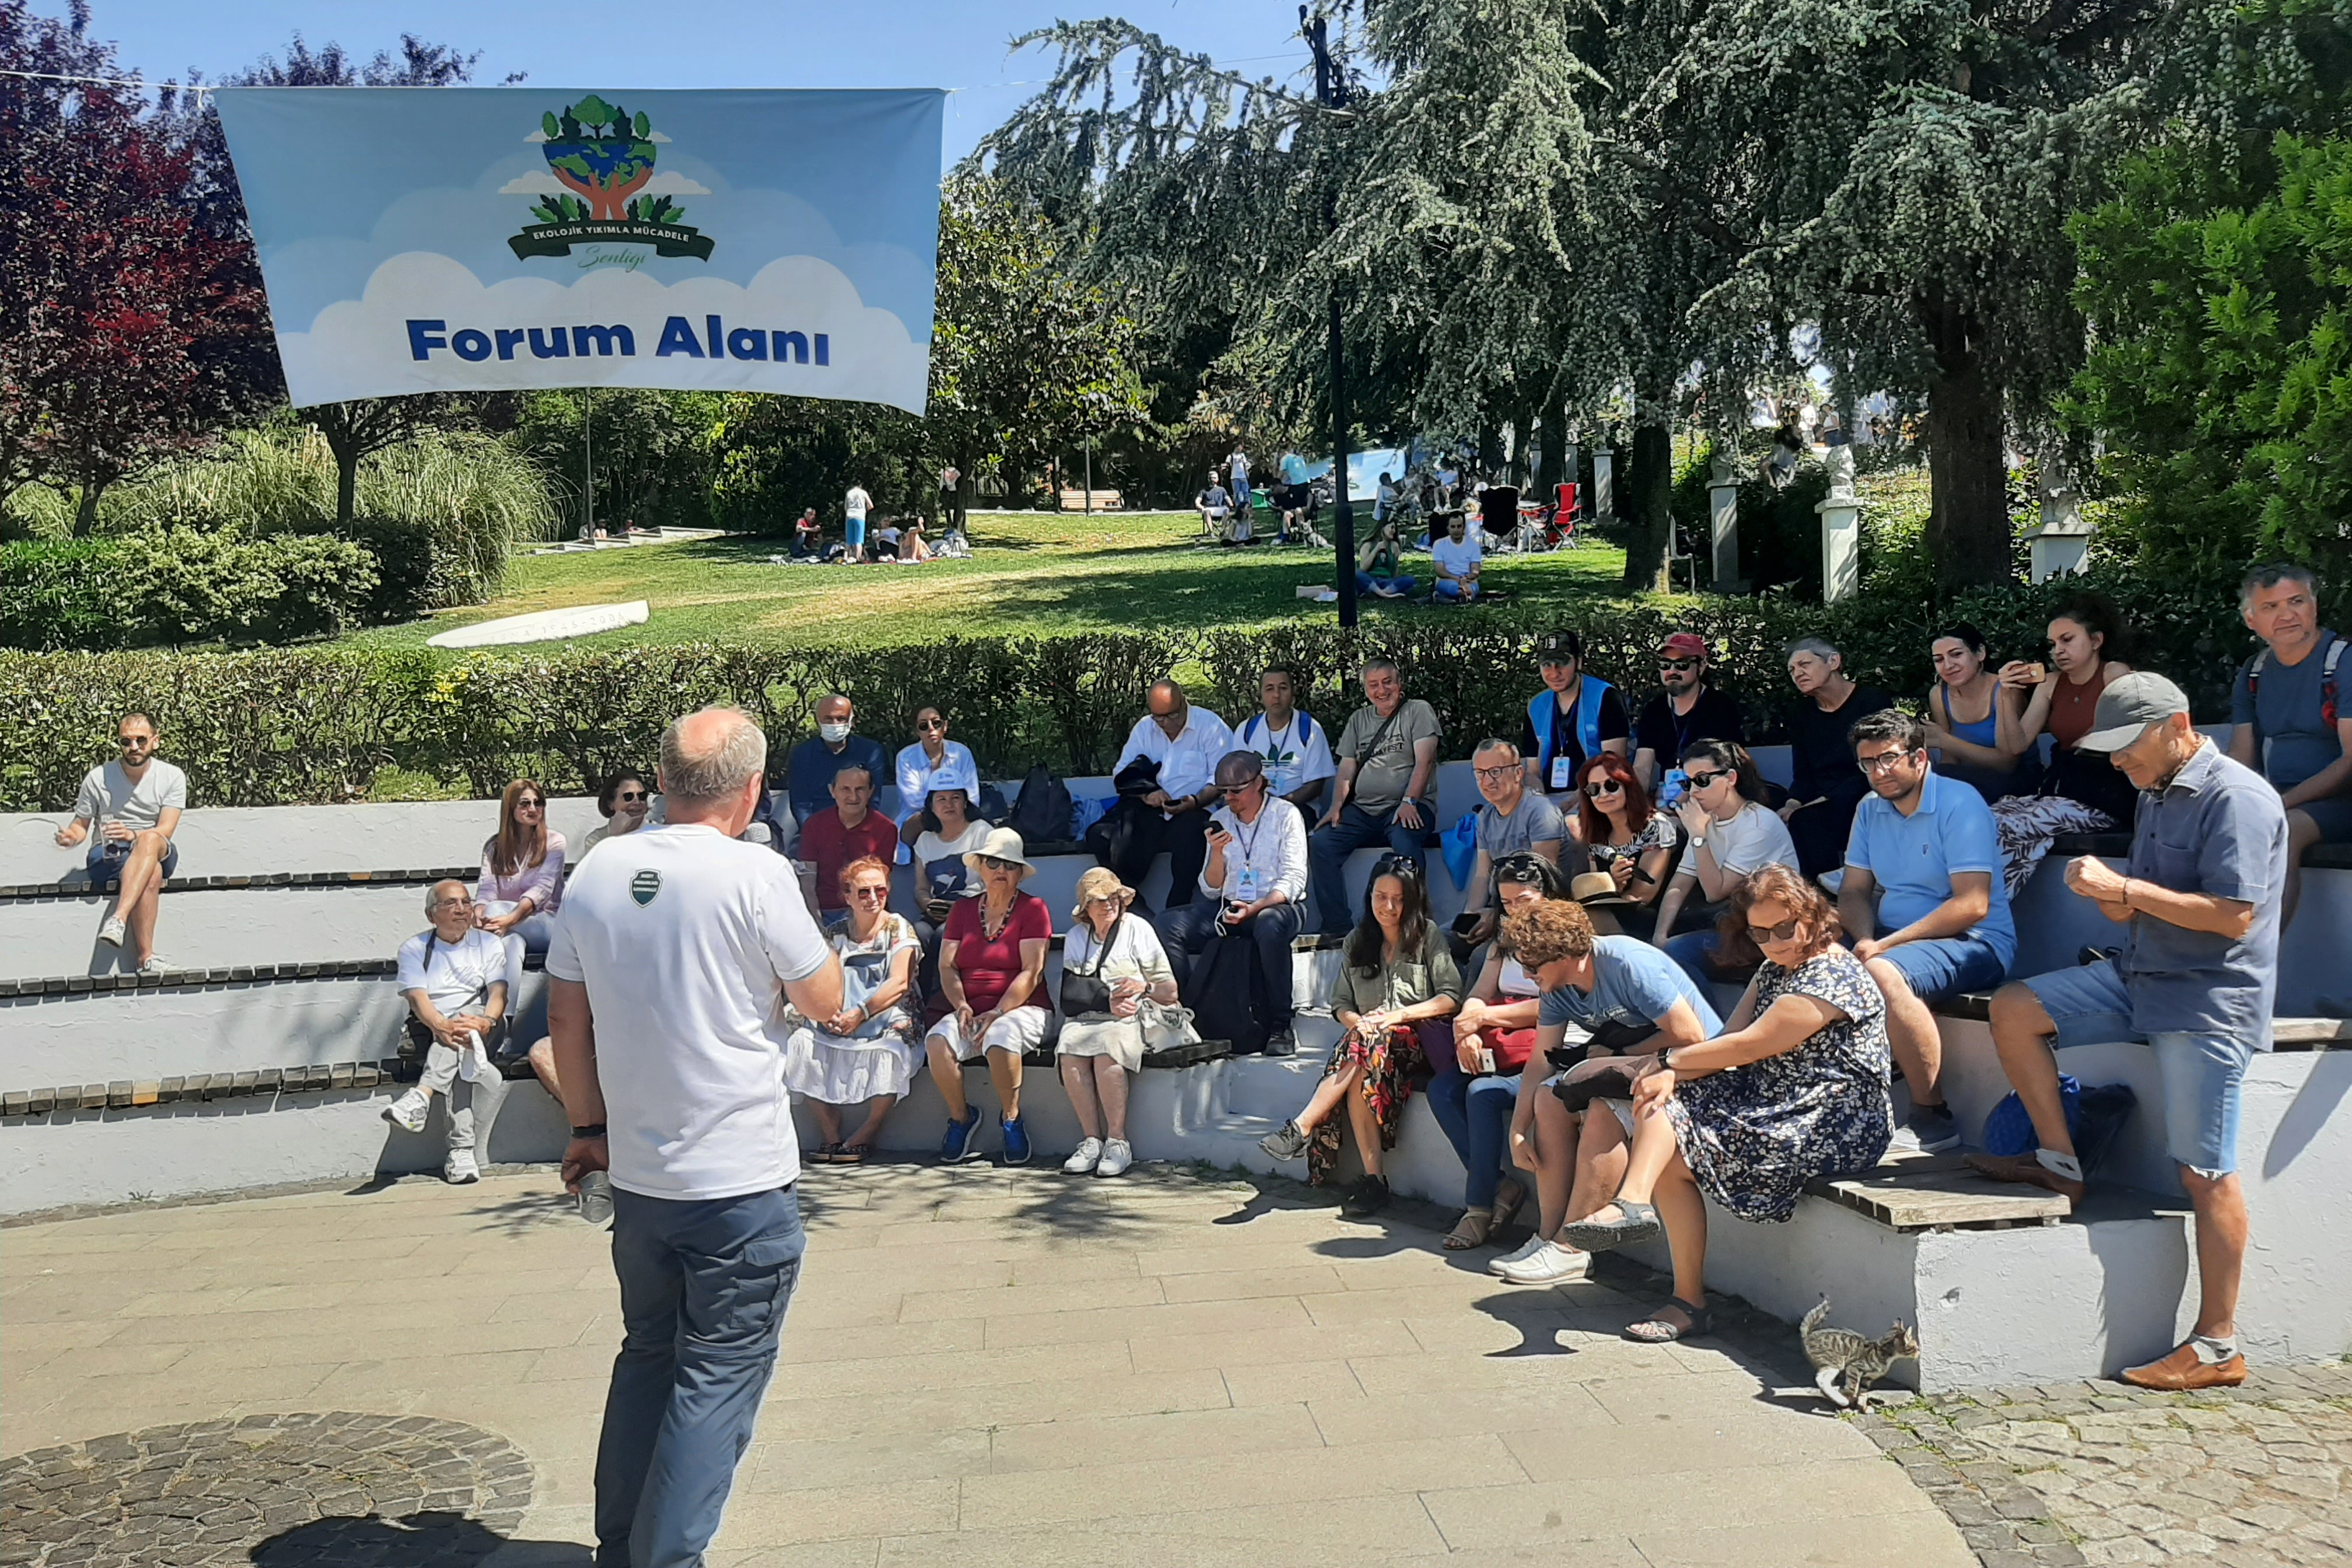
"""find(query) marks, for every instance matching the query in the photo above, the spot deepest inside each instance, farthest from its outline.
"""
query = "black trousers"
(1130, 834)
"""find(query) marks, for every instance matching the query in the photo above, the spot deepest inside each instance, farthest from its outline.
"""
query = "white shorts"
(1020, 1031)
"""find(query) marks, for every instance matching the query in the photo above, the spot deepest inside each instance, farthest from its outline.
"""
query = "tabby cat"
(1843, 1356)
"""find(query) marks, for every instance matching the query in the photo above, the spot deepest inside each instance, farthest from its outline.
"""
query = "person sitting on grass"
(521, 884)
(1794, 1088)
(1110, 965)
(1623, 998)
(454, 978)
(808, 536)
(1458, 559)
(129, 809)
(1494, 1035)
(1377, 560)
(865, 1053)
(914, 547)
(1396, 990)
(993, 1001)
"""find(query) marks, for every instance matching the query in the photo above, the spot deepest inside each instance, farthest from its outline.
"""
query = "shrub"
(180, 585)
(287, 725)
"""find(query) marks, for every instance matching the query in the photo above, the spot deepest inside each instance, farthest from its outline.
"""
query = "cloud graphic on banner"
(542, 181)
(427, 323)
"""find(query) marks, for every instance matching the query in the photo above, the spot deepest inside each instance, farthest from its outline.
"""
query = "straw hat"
(1598, 889)
(1001, 844)
(1100, 882)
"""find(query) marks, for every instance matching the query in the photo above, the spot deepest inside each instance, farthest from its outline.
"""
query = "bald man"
(1187, 742)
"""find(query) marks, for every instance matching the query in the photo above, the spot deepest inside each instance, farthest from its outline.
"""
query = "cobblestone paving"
(274, 1490)
(2099, 1472)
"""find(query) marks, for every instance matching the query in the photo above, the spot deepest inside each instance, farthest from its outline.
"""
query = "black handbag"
(1084, 995)
(1595, 1077)
(1614, 1037)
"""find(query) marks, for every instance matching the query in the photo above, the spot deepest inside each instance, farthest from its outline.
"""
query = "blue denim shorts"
(106, 859)
(2203, 1072)
(1940, 967)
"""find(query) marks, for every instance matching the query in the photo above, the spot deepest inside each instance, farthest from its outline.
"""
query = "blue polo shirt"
(1634, 983)
(1911, 859)
(2216, 828)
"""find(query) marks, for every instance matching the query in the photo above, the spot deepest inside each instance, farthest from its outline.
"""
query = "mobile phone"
(1466, 922)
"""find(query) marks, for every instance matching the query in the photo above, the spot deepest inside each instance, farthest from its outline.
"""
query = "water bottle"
(597, 1198)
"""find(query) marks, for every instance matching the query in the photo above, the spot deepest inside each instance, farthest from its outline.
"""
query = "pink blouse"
(543, 884)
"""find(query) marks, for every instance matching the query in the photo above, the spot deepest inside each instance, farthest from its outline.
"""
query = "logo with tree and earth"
(601, 188)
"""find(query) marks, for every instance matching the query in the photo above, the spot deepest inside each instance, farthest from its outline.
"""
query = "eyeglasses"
(1497, 776)
(1882, 762)
(1786, 930)
(1679, 664)
(1599, 787)
(456, 903)
(1700, 781)
(628, 796)
(880, 892)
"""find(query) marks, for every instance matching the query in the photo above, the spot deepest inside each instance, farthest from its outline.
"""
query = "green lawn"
(1031, 573)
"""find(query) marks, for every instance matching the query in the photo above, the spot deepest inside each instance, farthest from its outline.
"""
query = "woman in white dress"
(867, 1053)
(1110, 964)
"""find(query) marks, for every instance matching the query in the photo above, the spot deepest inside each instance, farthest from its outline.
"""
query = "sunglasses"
(527, 801)
(628, 796)
(1599, 787)
(1677, 664)
(991, 863)
(1395, 865)
(1784, 932)
(1518, 869)
(882, 892)
(928, 725)
(128, 740)
(1700, 781)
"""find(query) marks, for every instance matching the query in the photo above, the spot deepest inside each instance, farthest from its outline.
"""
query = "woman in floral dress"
(1793, 1089)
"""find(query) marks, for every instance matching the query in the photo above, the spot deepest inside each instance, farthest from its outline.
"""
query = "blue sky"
(703, 43)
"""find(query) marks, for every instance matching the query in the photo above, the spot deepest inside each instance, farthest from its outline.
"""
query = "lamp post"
(1331, 92)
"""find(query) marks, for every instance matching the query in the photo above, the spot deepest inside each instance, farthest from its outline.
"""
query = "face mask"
(834, 732)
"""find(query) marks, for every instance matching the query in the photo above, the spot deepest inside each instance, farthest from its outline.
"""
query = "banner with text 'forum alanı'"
(468, 240)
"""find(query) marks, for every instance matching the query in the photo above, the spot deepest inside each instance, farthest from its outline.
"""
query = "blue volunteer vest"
(1542, 708)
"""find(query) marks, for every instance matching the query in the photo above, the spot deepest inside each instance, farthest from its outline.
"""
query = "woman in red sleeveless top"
(2081, 793)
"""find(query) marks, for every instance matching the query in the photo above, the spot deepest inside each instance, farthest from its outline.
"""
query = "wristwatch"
(1666, 1059)
(595, 1130)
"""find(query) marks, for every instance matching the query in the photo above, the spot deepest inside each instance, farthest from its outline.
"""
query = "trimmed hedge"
(285, 725)
(180, 585)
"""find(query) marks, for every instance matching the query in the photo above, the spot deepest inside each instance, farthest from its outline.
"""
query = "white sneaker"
(460, 1168)
(1548, 1266)
(110, 931)
(1117, 1158)
(409, 1110)
(1526, 1249)
(155, 965)
(1083, 1158)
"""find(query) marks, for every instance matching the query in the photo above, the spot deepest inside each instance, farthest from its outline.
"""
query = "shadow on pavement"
(418, 1541)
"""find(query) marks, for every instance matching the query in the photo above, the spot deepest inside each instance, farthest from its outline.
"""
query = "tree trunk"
(1650, 538)
(1554, 449)
(86, 513)
(1968, 531)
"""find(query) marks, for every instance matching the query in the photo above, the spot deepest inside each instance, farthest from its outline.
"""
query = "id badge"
(1245, 887)
(1563, 773)
(1672, 786)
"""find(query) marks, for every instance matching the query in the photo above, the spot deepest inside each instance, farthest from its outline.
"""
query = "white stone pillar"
(2057, 544)
(1723, 522)
(1841, 548)
(1604, 500)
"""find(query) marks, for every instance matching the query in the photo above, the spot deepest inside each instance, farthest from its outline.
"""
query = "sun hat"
(1100, 882)
(1597, 890)
(2128, 707)
(1001, 844)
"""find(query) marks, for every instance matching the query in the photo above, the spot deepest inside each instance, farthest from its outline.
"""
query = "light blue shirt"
(1633, 983)
(1911, 859)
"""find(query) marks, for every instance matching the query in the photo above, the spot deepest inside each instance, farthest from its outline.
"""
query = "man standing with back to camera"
(673, 950)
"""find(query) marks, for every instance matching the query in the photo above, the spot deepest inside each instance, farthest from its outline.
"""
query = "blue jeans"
(1696, 952)
(1187, 929)
(704, 1286)
(1368, 584)
(106, 856)
(1475, 1116)
(1328, 850)
(1448, 588)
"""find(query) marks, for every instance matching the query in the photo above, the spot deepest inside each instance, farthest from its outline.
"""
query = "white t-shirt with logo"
(685, 939)
(108, 795)
(455, 977)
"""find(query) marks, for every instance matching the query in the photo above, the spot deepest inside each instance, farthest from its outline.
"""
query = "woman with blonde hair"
(1110, 966)
(522, 869)
(1794, 1088)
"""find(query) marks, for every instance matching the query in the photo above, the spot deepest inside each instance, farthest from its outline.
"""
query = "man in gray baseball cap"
(2200, 899)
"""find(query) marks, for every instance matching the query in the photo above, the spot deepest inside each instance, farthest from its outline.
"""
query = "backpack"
(2327, 702)
(1042, 813)
(1229, 995)
(991, 806)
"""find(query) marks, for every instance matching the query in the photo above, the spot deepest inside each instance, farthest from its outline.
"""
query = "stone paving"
(981, 1368)
(2099, 1472)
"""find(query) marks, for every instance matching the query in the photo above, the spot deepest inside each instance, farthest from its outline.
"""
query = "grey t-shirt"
(1536, 821)
(1382, 777)
(108, 794)
(2295, 742)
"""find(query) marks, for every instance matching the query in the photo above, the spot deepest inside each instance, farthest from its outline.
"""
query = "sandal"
(851, 1154)
(1471, 1230)
(1635, 1222)
(1661, 1332)
(825, 1154)
(1507, 1208)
